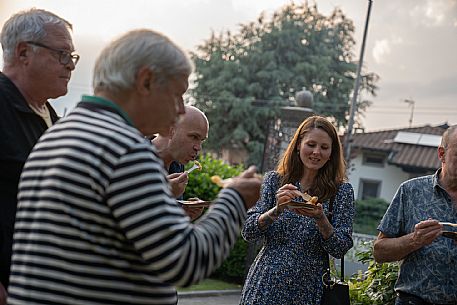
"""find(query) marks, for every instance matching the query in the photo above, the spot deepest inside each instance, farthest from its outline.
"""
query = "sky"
(411, 44)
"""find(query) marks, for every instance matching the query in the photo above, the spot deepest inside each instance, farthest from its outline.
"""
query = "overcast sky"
(411, 44)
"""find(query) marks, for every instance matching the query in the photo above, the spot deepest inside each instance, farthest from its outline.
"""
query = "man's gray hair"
(446, 136)
(28, 25)
(118, 64)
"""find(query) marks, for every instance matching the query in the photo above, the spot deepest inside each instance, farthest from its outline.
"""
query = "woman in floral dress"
(296, 242)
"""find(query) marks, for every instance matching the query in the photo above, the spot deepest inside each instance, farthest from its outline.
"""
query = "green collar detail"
(107, 103)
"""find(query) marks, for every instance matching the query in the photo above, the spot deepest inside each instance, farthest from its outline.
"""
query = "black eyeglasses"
(64, 56)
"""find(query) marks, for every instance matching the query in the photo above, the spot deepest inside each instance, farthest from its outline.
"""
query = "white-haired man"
(412, 228)
(38, 61)
(96, 221)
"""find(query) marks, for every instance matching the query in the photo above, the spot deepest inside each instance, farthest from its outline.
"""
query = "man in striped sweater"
(96, 221)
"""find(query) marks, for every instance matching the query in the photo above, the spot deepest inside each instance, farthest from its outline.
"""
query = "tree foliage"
(376, 285)
(369, 213)
(267, 62)
(200, 185)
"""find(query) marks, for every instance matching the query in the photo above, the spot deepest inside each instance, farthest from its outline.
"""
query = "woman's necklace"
(303, 188)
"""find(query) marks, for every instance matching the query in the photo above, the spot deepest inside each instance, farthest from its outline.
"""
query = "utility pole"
(348, 139)
(411, 104)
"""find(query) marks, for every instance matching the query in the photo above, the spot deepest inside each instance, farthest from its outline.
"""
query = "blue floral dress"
(289, 267)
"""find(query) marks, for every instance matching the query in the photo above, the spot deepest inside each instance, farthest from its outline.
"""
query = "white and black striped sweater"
(96, 223)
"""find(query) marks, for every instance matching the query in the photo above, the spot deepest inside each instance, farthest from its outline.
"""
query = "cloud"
(434, 13)
(425, 89)
(382, 48)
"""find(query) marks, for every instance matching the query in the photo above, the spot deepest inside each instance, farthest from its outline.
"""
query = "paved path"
(227, 297)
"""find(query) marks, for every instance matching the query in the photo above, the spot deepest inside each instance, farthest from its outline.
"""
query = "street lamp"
(411, 104)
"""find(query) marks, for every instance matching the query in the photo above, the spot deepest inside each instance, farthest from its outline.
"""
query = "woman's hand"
(317, 212)
(285, 194)
(322, 222)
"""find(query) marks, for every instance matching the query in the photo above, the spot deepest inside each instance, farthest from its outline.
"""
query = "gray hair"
(28, 25)
(118, 64)
(446, 136)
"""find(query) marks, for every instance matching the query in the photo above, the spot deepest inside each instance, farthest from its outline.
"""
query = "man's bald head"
(187, 136)
(185, 139)
(191, 114)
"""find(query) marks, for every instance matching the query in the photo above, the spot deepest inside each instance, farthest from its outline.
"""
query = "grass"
(211, 284)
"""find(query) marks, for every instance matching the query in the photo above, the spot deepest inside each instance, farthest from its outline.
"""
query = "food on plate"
(309, 203)
(310, 199)
(199, 166)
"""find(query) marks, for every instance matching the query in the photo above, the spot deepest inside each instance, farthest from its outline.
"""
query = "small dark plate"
(449, 234)
(293, 204)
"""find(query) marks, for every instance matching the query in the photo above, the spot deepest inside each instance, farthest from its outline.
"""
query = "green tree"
(268, 61)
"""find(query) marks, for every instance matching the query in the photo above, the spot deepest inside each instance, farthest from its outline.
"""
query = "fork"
(194, 167)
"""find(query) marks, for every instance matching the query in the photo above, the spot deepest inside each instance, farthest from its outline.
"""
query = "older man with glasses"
(38, 55)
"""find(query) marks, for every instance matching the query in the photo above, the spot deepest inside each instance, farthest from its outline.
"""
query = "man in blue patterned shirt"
(411, 232)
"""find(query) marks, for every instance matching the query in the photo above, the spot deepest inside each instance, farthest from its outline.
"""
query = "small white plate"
(195, 203)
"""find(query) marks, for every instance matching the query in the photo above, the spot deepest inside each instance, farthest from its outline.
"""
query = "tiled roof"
(408, 156)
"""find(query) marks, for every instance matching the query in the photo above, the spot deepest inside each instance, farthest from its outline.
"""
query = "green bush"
(233, 268)
(200, 185)
(369, 213)
(376, 285)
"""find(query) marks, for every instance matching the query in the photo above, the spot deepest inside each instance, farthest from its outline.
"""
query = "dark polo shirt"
(20, 129)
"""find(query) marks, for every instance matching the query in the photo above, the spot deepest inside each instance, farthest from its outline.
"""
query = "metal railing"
(360, 241)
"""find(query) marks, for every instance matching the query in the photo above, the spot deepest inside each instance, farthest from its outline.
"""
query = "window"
(372, 159)
(369, 189)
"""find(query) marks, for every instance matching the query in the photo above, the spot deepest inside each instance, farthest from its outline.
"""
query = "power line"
(415, 112)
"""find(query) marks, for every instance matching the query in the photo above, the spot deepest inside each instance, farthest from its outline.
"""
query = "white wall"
(390, 176)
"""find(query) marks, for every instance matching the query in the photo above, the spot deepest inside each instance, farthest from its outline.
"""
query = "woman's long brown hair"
(330, 176)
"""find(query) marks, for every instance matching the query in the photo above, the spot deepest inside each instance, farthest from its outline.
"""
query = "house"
(382, 160)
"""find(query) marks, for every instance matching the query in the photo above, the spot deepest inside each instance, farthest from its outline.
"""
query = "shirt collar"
(18, 100)
(436, 180)
(92, 99)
